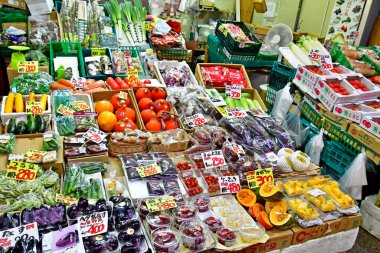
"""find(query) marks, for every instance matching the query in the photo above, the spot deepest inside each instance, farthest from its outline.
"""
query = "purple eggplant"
(68, 240)
(82, 203)
(8, 221)
(73, 211)
(133, 244)
(124, 223)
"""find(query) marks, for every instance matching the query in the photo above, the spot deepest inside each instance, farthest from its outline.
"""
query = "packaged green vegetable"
(51, 141)
(49, 179)
(65, 125)
(7, 143)
(27, 201)
(48, 196)
(38, 83)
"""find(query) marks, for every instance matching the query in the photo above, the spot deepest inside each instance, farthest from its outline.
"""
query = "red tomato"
(147, 81)
(123, 85)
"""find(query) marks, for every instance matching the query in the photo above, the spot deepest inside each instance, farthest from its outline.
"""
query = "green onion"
(301, 55)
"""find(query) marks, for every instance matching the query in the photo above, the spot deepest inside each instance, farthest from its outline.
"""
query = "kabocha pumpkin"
(145, 103)
(160, 105)
(146, 115)
(246, 197)
(171, 124)
(270, 192)
(153, 124)
(123, 124)
(107, 121)
(104, 106)
(280, 218)
(255, 210)
(142, 93)
(125, 112)
(117, 102)
(158, 93)
(164, 115)
(263, 220)
(270, 205)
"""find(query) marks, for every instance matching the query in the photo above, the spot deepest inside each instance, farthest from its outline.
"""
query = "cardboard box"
(310, 76)
(12, 73)
(278, 239)
(325, 100)
(350, 112)
(366, 138)
(38, 7)
(373, 157)
(19, 4)
(301, 81)
(351, 222)
(23, 145)
(103, 158)
(337, 120)
(302, 235)
(335, 97)
(198, 73)
(334, 226)
(371, 124)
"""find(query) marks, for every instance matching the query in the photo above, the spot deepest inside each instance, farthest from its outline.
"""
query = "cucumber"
(40, 124)
(244, 103)
(230, 102)
(21, 128)
(257, 104)
(250, 104)
(245, 95)
(223, 95)
(237, 103)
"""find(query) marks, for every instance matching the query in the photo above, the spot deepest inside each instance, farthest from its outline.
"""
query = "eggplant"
(133, 245)
(101, 205)
(82, 203)
(124, 223)
(8, 221)
(117, 199)
(73, 211)
(68, 240)
(90, 209)
(111, 242)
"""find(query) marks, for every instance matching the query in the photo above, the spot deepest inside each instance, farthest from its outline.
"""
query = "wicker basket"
(172, 147)
(122, 148)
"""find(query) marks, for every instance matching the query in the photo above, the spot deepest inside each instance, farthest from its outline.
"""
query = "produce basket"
(179, 54)
(271, 95)
(281, 75)
(337, 157)
(236, 47)
(121, 148)
(87, 53)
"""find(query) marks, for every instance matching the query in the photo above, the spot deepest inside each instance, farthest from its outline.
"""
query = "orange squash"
(158, 93)
(153, 124)
(171, 124)
(107, 121)
(123, 124)
(246, 197)
(161, 104)
(164, 115)
(264, 221)
(103, 106)
(118, 102)
(255, 210)
(125, 112)
(282, 203)
(146, 115)
(142, 93)
(145, 103)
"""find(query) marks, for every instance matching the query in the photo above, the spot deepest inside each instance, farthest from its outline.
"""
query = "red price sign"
(33, 107)
(21, 171)
(236, 148)
(95, 135)
(93, 224)
(262, 176)
(195, 120)
(149, 170)
(160, 204)
(326, 62)
(235, 112)
(233, 91)
(80, 106)
(79, 82)
(213, 159)
(314, 55)
(229, 184)
(65, 111)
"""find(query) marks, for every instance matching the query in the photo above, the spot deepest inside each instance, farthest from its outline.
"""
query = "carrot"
(94, 90)
(58, 86)
(66, 83)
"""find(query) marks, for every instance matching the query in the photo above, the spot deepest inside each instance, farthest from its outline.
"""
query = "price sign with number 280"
(21, 171)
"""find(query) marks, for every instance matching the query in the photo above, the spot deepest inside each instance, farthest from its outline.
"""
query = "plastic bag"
(282, 104)
(355, 177)
(314, 147)
(292, 124)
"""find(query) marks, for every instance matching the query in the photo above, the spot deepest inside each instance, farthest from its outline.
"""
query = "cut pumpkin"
(270, 192)
(255, 210)
(269, 205)
(279, 217)
(246, 197)
(263, 220)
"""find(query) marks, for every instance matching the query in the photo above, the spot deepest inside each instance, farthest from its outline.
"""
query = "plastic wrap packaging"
(36, 55)
(7, 143)
(42, 30)
(282, 103)
(355, 177)
(314, 147)
(51, 141)
(292, 124)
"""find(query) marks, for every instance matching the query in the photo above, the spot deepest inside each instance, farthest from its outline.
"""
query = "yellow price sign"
(21, 171)
(65, 111)
(160, 204)
(133, 77)
(63, 199)
(149, 25)
(80, 106)
(27, 67)
(98, 51)
(34, 107)
(259, 177)
(222, 111)
(149, 170)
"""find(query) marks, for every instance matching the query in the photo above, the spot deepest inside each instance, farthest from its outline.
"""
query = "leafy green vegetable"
(38, 83)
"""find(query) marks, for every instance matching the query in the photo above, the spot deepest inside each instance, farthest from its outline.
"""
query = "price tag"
(149, 25)
(27, 67)
(251, 179)
(326, 62)
(195, 120)
(95, 135)
(215, 97)
(79, 82)
(35, 156)
(63, 199)
(98, 51)
(33, 107)
(133, 77)
(272, 157)
(10, 236)
(235, 112)
(80, 106)
(65, 111)
(149, 170)
(262, 176)
(93, 224)
(222, 111)
(123, 95)
(213, 159)
(233, 91)
(21, 171)
(316, 192)
(229, 184)
(160, 204)
(236, 148)
(314, 54)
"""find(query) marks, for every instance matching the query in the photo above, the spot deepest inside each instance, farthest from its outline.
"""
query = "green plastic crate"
(337, 157)
(87, 53)
(312, 115)
(271, 95)
(281, 75)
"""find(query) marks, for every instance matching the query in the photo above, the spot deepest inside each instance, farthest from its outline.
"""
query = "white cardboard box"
(38, 7)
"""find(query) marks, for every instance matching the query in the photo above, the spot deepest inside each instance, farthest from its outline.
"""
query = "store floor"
(365, 243)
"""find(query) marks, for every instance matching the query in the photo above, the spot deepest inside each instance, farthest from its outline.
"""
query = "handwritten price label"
(236, 148)
(235, 112)
(149, 25)
(251, 179)
(21, 171)
(98, 51)
(63, 199)
(195, 120)
(316, 192)
(65, 111)
(160, 204)
(149, 170)
(326, 62)
(27, 67)
(79, 82)
(93, 224)
(229, 184)
(233, 91)
(314, 55)
(133, 77)
(95, 135)
(9, 237)
(123, 95)
(33, 107)
(35, 156)
(259, 177)
(80, 106)
(222, 111)
(213, 159)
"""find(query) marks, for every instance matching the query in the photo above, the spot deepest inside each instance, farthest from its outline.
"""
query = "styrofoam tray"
(157, 65)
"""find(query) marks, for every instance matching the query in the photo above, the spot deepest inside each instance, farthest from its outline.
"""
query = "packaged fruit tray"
(364, 87)
(305, 213)
(338, 90)
(174, 73)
